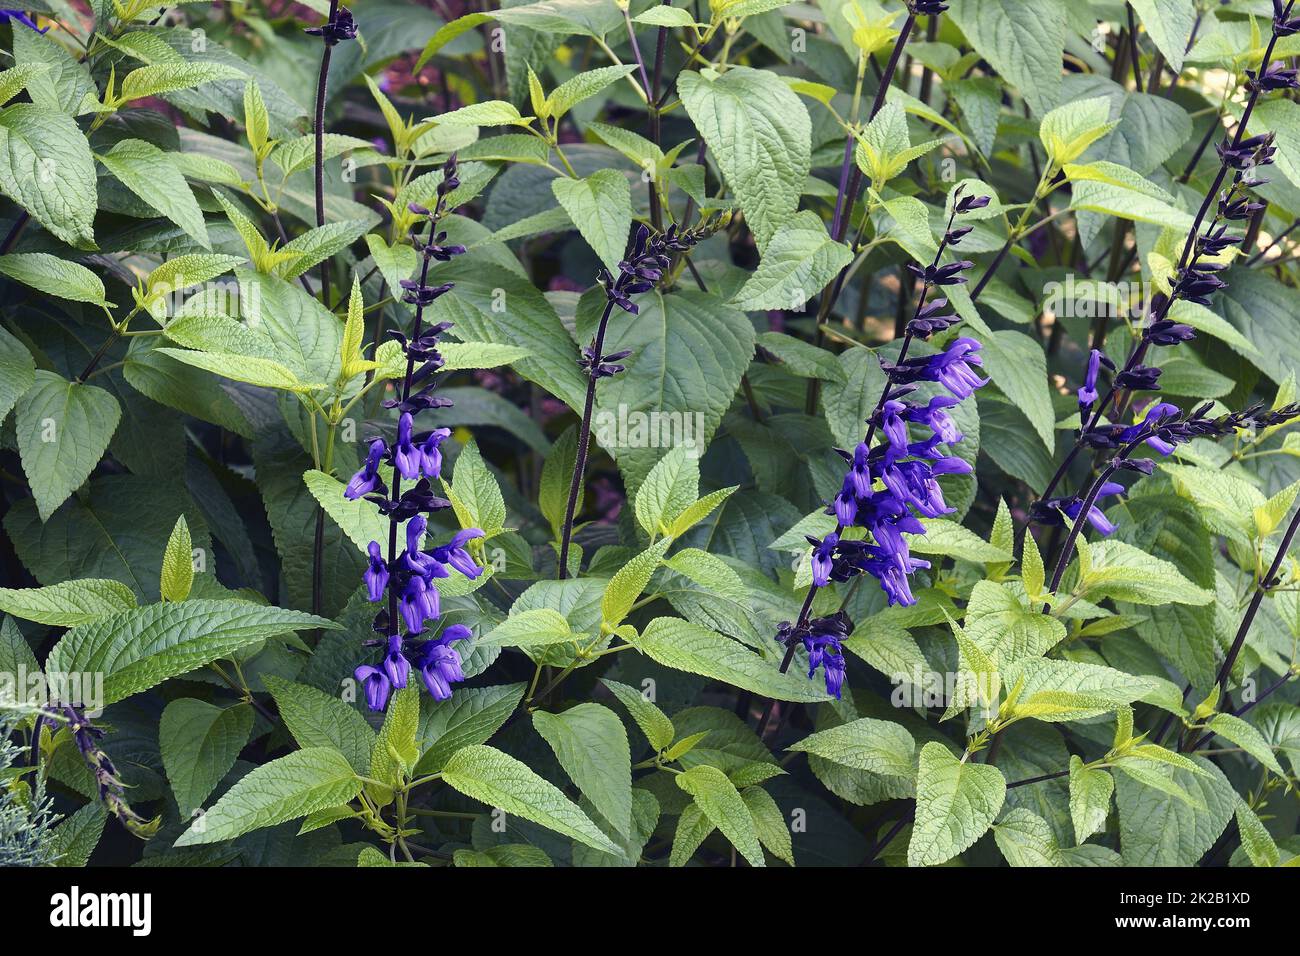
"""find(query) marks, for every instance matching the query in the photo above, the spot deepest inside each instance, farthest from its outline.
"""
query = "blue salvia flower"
(23, 18)
(408, 580)
(823, 639)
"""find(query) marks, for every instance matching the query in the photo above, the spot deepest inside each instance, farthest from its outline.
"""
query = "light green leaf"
(688, 647)
(722, 806)
(46, 167)
(318, 719)
(55, 276)
(499, 780)
(758, 130)
(601, 207)
(1022, 39)
(591, 745)
(799, 262)
(178, 564)
(292, 786)
(956, 801)
(138, 648)
(67, 603)
(1090, 792)
(538, 627)
(472, 716)
(628, 582)
(152, 175)
(878, 746)
(654, 723)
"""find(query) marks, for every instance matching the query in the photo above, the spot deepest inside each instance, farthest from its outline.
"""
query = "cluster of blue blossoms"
(409, 580)
(887, 486)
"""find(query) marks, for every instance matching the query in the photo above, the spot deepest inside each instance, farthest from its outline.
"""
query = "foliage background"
(183, 417)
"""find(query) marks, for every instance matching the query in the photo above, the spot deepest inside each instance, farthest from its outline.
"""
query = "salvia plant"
(601, 433)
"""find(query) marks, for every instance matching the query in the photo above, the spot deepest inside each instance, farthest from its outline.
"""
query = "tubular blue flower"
(892, 423)
(822, 558)
(913, 482)
(954, 367)
(377, 686)
(1095, 516)
(431, 454)
(440, 664)
(1088, 390)
(367, 480)
(23, 18)
(845, 504)
(405, 456)
(454, 553)
(893, 571)
(860, 471)
(376, 576)
(419, 602)
(396, 667)
(935, 417)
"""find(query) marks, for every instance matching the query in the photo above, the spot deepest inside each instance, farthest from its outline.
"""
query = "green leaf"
(1026, 839)
(178, 564)
(953, 540)
(585, 84)
(1246, 737)
(1169, 23)
(17, 371)
(591, 745)
(878, 746)
(1058, 690)
(885, 146)
(956, 802)
(475, 495)
(472, 716)
(758, 131)
(689, 351)
(14, 81)
(688, 647)
(141, 647)
(63, 429)
(152, 175)
(243, 368)
(55, 276)
(1002, 626)
(1255, 838)
(499, 780)
(722, 806)
(487, 113)
(46, 167)
(601, 207)
(538, 627)
(1126, 573)
(396, 749)
(801, 358)
(292, 786)
(318, 719)
(180, 273)
(1022, 39)
(160, 78)
(1090, 792)
(75, 838)
(799, 262)
(1067, 131)
(1157, 831)
(199, 744)
(654, 723)
(67, 603)
(628, 582)
(771, 827)
(448, 32)
(667, 491)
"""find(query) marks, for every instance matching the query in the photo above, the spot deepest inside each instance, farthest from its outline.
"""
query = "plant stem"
(321, 84)
(584, 442)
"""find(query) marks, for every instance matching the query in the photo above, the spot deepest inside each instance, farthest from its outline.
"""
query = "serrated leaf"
(956, 802)
(55, 276)
(178, 564)
(1090, 792)
(723, 807)
(67, 603)
(877, 746)
(654, 723)
(291, 786)
(589, 742)
(799, 261)
(199, 744)
(318, 719)
(499, 780)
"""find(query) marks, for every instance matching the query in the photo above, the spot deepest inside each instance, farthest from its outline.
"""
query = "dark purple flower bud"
(1140, 378)
(341, 28)
(1168, 332)
(968, 203)
(1088, 390)
(1275, 77)
(955, 236)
